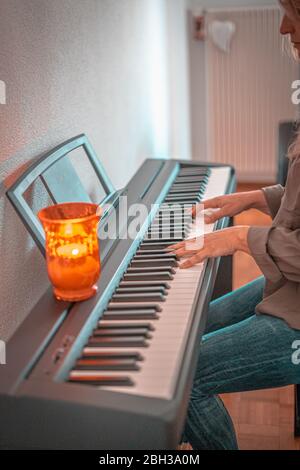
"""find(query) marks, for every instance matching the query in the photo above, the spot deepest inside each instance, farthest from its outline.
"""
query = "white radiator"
(248, 92)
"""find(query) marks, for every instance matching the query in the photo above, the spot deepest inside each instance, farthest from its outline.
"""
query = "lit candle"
(72, 251)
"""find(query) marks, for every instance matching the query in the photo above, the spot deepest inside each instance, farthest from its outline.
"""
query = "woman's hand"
(220, 243)
(232, 204)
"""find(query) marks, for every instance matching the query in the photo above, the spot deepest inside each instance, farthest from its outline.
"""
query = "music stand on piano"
(61, 181)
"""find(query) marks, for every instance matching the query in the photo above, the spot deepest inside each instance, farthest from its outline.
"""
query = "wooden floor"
(263, 419)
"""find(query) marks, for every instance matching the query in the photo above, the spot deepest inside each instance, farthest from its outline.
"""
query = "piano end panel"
(67, 416)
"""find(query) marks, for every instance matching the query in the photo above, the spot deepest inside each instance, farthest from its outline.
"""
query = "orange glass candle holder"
(72, 249)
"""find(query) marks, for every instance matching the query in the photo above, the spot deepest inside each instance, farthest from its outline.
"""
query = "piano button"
(99, 379)
(162, 276)
(122, 332)
(102, 354)
(107, 364)
(165, 285)
(114, 326)
(119, 342)
(147, 297)
(130, 315)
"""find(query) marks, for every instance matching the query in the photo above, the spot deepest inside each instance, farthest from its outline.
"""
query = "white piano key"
(162, 360)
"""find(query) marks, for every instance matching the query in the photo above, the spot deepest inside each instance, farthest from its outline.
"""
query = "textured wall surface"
(198, 74)
(103, 67)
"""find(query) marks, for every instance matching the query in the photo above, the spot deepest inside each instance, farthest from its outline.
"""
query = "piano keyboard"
(140, 340)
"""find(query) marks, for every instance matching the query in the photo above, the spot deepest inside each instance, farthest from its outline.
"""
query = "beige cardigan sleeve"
(273, 195)
(276, 249)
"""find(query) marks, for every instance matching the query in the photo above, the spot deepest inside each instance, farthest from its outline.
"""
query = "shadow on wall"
(20, 257)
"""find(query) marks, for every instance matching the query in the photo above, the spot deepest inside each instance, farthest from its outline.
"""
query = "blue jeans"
(240, 351)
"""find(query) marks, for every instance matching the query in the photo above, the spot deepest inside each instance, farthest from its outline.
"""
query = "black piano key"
(99, 379)
(177, 197)
(166, 223)
(160, 262)
(128, 306)
(151, 269)
(114, 326)
(171, 210)
(130, 331)
(168, 234)
(95, 352)
(137, 290)
(158, 245)
(182, 192)
(176, 213)
(141, 297)
(169, 224)
(152, 254)
(107, 364)
(118, 342)
(185, 168)
(149, 241)
(191, 179)
(163, 276)
(165, 285)
(133, 313)
(167, 227)
(199, 187)
(184, 201)
(130, 315)
(191, 175)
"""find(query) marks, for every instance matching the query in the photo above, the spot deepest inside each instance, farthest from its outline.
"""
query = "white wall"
(197, 71)
(101, 67)
(228, 3)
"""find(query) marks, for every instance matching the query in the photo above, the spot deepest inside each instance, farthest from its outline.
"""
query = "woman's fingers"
(179, 245)
(214, 216)
(186, 252)
(213, 203)
(208, 204)
(195, 259)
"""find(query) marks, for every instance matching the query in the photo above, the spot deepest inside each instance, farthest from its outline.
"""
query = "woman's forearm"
(258, 201)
